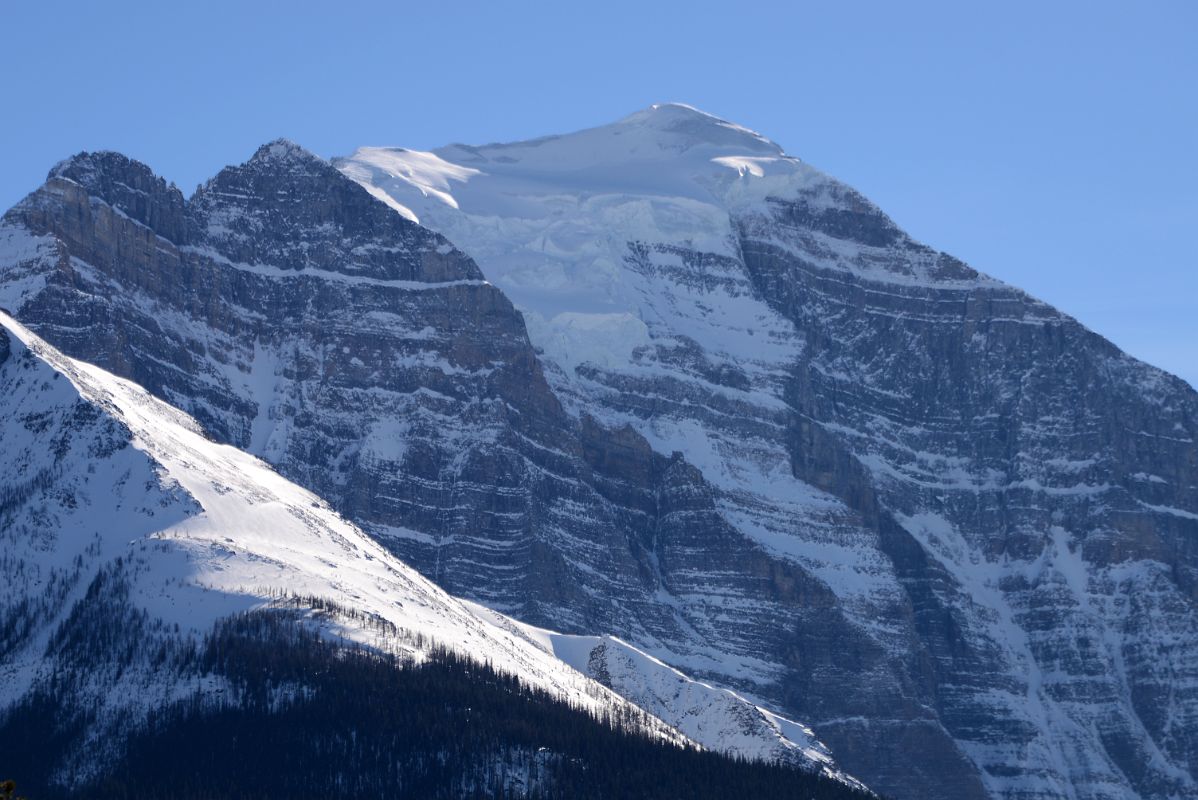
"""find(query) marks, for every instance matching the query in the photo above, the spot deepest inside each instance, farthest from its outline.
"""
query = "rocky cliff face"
(300, 319)
(751, 428)
(1037, 489)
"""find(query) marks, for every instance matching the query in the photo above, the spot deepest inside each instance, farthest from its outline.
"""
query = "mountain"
(369, 362)
(1001, 504)
(732, 420)
(140, 554)
(421, 293)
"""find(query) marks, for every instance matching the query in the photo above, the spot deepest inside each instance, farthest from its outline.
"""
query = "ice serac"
(938, 520)
(296, 317)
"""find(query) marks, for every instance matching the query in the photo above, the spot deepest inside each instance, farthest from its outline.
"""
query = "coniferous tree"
(8, 791)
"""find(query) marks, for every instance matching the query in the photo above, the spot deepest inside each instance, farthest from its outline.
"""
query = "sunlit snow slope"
(702, 712)
(211, 530)
(99, 473)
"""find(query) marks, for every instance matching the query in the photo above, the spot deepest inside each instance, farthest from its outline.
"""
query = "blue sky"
(1052, 145)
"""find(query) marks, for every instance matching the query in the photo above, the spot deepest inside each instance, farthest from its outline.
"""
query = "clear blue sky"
(1051, 144)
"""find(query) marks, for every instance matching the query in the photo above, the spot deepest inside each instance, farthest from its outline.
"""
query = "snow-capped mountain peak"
(553, 218)
(668, 151)
(685, 125)
(285, 151)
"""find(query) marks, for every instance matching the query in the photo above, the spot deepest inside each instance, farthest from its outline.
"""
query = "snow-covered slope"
(552, 219)
(98, 472)
(704, 713)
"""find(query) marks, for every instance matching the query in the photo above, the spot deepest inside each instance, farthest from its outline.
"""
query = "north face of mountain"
(1002, 505)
